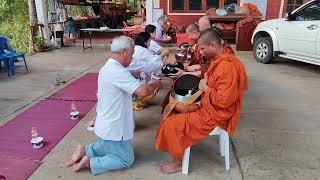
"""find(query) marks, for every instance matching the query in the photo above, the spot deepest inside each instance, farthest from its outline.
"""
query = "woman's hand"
(179, 73)
(171, 61)
(135, 74)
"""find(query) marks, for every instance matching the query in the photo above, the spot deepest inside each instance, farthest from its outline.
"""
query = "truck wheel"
(263, 50)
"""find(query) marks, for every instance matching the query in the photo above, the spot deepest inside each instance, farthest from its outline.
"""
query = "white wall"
(153, 11)
(149, 9)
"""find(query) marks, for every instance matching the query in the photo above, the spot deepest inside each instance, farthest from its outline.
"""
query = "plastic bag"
(232, 8)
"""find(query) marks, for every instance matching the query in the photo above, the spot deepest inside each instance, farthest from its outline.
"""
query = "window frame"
(187, 3)
(294, 5)
(309, 5)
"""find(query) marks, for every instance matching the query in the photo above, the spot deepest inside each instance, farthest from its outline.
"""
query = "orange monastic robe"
(196, 59)
(220, 106)
(227, 49)
(253, 9)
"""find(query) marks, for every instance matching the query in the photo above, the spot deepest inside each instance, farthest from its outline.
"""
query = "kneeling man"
(114, 124)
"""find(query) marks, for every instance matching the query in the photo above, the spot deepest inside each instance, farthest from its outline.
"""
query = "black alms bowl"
(170, 69)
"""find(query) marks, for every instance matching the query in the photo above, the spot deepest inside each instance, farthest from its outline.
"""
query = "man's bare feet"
(77, 154)
(171, 167)
(90, 123)
(84, 163)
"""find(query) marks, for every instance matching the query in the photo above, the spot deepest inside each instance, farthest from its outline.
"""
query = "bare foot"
(90, 123)
(77, 154)
(171, 167)
(84, 163)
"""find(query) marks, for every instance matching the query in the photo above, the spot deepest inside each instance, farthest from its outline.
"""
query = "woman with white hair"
(114, 125)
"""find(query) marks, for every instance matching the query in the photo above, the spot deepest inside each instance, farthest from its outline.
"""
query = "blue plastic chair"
(11, 55)
(5, 61)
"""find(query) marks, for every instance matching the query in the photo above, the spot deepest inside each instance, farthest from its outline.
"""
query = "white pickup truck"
(296, 37)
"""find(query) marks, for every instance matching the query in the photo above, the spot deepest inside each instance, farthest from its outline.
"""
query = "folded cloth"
(140, 103)
(188, 105)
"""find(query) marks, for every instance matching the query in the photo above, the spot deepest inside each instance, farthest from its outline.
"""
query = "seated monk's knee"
(173, 123)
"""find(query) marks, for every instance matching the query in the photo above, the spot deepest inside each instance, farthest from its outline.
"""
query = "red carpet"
(83, 89)
(52, 120)
(16, 169)
(51, 117)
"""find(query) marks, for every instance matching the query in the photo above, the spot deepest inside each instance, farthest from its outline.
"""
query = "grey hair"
(163, 18)
(192, 27)
(121, 43)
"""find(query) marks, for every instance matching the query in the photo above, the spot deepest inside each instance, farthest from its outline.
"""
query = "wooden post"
(31, 41)
(281, 9)
(32, 23)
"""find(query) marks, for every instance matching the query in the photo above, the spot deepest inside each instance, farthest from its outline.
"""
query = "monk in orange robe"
(199, 64)
(194, 66)
(253, 10)
(224, 85)
(226, 47)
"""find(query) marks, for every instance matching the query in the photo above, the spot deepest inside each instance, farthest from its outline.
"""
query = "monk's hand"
(203, 85)
(170, 61)
(193, 68)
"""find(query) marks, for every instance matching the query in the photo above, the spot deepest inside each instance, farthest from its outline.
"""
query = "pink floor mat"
(83, 89)
(52, 120)
(17, 169)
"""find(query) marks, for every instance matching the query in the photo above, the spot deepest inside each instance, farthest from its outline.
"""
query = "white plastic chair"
(223, 148)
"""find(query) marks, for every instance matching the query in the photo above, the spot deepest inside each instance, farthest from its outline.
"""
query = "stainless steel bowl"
(179, 55)
(184, 46)
(181, 98)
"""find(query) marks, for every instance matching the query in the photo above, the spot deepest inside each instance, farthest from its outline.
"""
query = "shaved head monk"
(226, 47)
(224, 85)
(204, 23)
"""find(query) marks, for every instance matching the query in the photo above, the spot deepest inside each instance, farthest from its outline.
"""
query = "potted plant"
(39, 43)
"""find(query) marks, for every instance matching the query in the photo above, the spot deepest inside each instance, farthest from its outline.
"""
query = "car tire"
(263, 50)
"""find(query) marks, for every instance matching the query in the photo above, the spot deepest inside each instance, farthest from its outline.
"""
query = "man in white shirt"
(114, 124)
(162, 20)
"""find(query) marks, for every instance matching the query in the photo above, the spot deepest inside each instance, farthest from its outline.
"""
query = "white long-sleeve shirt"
(115, 120)
(158, 30)
(154, 47)
(145, 60)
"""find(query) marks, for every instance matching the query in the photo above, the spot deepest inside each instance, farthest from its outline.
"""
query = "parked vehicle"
(296, 37)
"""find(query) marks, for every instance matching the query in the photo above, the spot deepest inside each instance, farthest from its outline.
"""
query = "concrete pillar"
(149, 9)
(42, 15)
(281, 9)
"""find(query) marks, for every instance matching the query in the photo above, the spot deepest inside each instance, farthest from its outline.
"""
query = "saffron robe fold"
(220, 106)
(227, 49)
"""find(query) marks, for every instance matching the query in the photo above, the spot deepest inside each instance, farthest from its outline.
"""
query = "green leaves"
(14, 19)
